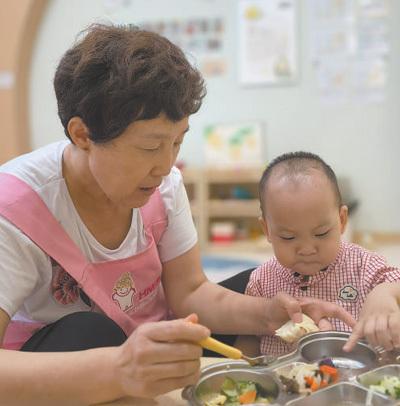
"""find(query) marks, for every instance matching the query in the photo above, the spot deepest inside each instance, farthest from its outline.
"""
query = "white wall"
(361, 141)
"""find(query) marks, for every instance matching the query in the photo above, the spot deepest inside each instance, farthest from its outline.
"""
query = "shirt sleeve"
(180, 235)
(377, 271)
(254, 287)
(20, 262)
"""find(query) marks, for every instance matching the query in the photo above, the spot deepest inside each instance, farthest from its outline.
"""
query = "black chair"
(237, 283)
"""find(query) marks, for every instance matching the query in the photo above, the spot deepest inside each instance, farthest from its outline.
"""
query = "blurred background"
(282, 75)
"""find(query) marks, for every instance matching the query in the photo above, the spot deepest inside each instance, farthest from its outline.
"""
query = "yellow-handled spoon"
(212, 344)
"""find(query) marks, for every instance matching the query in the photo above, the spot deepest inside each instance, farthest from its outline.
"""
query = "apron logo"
(124, 292)
(348, 293)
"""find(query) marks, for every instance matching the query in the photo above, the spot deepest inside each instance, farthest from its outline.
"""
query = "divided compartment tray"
(374, 376)
(358, 369)
(343, 393)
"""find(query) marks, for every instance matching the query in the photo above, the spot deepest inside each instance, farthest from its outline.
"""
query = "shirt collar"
(305, 280)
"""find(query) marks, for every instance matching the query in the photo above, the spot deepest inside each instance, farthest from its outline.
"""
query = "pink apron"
(129, 290)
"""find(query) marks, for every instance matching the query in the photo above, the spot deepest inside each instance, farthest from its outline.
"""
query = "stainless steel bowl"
(339, 395)
(211, 381)
(323, 334)
(362, 356)
(374, 376)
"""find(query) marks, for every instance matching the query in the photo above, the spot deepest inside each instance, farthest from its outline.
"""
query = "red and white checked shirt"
(346, 281)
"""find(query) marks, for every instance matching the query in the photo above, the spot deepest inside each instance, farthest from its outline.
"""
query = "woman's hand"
(379, 320)
(283, 306)
(162, 356)
(319, 310)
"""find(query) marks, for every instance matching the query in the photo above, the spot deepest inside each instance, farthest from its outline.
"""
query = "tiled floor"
(221, 266)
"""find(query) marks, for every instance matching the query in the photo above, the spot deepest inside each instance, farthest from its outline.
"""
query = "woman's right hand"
(159, 357)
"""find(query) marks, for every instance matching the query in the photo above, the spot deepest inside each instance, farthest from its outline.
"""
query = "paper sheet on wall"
(201, 38)
(350, 48)
(267, 41)
(233, 145)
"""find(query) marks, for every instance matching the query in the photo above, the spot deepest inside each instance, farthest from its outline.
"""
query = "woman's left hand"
(283, 305)
(319, 310)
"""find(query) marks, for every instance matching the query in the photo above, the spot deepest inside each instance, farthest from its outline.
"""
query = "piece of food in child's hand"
(292, 332)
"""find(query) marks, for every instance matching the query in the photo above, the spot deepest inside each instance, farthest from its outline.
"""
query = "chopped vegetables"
(236, 393)
(389, 385)
(306, 378)
(248, 397)
(329, 371)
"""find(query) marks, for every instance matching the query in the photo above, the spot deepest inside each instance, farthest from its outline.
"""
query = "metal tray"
(358, 369)
(343, 393)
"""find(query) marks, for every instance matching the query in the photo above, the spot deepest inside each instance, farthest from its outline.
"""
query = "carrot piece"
(330, 371)
(323, 383)
(326, 369)
(309, 380)
(314, 386)
(248, 397)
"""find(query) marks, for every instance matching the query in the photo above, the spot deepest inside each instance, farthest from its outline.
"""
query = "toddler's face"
(303, 222)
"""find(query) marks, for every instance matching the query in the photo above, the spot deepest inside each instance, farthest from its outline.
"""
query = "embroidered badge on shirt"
(348, 293)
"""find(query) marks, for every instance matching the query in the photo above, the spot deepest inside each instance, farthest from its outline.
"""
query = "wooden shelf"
(258, 246)
(233, 208)
(233, 176)
(212, 193)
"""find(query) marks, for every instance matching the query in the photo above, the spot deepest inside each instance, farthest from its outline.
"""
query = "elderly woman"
(98, 249)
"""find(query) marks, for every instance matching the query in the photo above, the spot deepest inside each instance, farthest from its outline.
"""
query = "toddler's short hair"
(294, 163)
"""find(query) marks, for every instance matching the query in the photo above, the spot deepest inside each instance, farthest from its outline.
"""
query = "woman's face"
(129, 168)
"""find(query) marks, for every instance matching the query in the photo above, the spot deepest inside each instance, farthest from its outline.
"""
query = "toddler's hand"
(379, 320)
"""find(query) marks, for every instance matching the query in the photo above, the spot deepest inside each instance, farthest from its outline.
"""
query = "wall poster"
(268, 42)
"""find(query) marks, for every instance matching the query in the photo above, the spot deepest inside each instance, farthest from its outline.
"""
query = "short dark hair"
(294, 163)
(119, 74)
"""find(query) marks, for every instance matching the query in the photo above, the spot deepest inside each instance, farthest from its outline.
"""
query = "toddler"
(303, 217)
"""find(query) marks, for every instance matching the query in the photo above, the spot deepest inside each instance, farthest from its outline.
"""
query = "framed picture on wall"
(268, 42)
(233, 145)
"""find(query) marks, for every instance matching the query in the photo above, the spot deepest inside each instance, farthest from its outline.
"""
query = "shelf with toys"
(225, 208)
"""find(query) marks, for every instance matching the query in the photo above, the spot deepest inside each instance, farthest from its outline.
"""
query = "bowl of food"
(342, 394)
(234, 385)
(384, 380)
(361, 357)
(301, 378)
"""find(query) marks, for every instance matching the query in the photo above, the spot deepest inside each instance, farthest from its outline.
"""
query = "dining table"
(173, 398)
